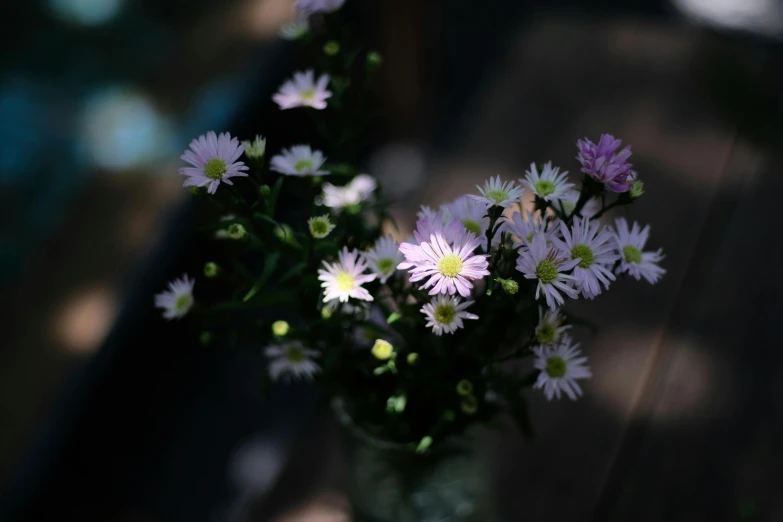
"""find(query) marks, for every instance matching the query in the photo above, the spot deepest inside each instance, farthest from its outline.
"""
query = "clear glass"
(389, 482)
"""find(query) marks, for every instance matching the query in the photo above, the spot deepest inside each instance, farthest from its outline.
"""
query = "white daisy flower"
(551, 326)
(560, 366)
(344, 279)
(213, 159)
(526, 228)
(547, 266)
(320, 226)
(595, 252)
(448, 267)
(470, 213)
(358, 190)
(299, 160)
(445, 314)
(295, 29)
(550, 185)
(177, 301)
(633, 260)
(495, 192)
(569, 200)
(304, 91)
(384, 257)
(291, 360)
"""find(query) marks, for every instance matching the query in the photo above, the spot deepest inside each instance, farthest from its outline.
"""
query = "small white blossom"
(291, 360)
(177, 301)
(560, 367)
(469, 212)
(633, 260)
(304, 91)
(384, 257)
(571, 198)
(498, 193)
(299, 160)
(344, 279)
(595, 252)
(445, 314)
(548, 266)
(550, 184)
(551, 326)
(214, 161)
(295, 29)
(358, 190)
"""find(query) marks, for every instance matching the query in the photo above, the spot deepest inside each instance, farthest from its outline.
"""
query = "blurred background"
(106, 413)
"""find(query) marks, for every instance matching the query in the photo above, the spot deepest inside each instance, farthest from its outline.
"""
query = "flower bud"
(412, 358)
(206, 337)
(637, 189)
(211, 269)
(331, 48)
(255, 149)
(469, 405)
(280, 328)
(382, 350)
(374, 60)
(464, 387)
(264, 191)
(510, 286)
(236, 231)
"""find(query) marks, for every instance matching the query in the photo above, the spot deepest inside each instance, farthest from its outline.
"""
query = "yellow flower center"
(585, 253)
(546, 271)
(307, 94)
(445, 313)
(344, 281)
(450, 265)
(215, 168)
(385, 265)
(472, 226)
(182, 302)
(295, 354)
(555, 367)
(632, 254)
(303, 164)
(544, 187)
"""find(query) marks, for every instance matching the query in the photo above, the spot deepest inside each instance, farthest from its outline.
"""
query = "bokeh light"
(86, 12)
(122, 129)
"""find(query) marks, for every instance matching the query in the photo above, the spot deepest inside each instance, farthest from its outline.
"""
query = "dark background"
(108, 413)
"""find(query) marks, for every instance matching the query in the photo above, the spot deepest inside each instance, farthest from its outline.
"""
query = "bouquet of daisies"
(413, 332)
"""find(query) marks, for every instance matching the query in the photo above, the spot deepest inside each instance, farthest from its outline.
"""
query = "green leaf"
(274, 195)
(293, 272)
(394, 316)
(269, 267)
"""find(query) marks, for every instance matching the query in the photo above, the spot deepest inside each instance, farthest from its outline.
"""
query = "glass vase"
(390, 482)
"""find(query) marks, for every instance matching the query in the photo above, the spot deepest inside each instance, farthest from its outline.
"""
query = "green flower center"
(585, 253)
(215, 168)
(445, 313)
(555, 367)
(450, 265)
(182, 302)
(632, 254)
(385, 265)
(568, 206)
(295, 354)
(472, 226)
(497, 195)
(546, 271)
(530, 236)
(344, 281)
(307, 94)
(303, 164)
(319, 227)
(546, 333)
(544, 187)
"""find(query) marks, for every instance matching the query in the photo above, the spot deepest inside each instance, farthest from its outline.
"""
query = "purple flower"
(214, 160)
(604, 163)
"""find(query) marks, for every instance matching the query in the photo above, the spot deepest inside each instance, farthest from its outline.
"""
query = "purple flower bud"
(604, 163)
